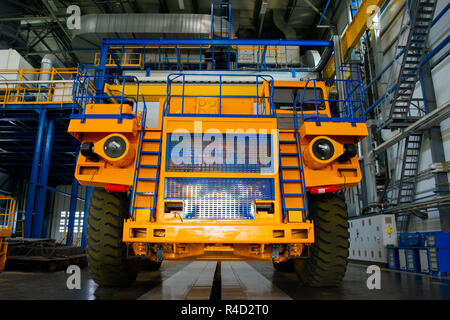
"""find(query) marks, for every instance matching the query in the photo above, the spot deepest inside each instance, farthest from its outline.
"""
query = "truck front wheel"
(327, 262)
(107, 254)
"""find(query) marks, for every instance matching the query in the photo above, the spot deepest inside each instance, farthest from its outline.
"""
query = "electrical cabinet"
(369, 237)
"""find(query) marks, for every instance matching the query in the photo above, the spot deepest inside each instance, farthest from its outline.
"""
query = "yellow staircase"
(3, 251)
(6, 221)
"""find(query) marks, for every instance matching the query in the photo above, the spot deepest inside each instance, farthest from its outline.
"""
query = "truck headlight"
(114, 147)
(323, 149)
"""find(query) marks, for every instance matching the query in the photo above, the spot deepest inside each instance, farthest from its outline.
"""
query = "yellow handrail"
(25, 86)
(6, 224)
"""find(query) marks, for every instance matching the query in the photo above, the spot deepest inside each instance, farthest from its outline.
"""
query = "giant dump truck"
(211, 165)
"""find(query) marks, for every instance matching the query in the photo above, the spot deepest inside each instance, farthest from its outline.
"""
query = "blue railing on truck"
(350, 106)
(84, 93)
(264, 110)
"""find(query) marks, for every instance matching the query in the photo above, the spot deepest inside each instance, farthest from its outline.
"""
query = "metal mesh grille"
(250, 153)
(211, 198)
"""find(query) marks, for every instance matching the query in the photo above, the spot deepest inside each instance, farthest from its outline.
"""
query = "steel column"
(34, 174)
(101, 72)
(436, 143)
(87, 200)
(43, 178)
(73, 209)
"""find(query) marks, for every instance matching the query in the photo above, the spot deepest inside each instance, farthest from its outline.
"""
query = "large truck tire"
(107, 254)
(327, 262)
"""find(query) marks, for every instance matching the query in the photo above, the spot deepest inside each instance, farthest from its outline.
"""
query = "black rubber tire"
(285, 266)
(327, 263)
(149, 265)
(106, 252)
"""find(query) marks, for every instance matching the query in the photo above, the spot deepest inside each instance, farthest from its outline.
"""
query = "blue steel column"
(87, 200)
(101, 72)
(43, 178)
(34, 174)
(73, 209)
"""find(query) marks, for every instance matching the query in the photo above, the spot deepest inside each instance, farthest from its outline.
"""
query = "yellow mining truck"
(234, 166)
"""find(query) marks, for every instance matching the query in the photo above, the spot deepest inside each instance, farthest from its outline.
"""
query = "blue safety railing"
(84, 93)
(265, 107)
(350, 106)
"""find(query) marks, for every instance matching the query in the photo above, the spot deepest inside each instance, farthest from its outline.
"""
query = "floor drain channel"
(216, 289)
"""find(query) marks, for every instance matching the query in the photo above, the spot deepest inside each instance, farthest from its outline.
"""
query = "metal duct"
(278, 20)
(95, 27)
(48, 62)
(193, 25)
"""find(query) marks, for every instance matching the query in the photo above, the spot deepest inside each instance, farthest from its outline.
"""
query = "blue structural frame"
(101, 70)
(43, 178)
(87, 200)
(34, 174)
(72, 211)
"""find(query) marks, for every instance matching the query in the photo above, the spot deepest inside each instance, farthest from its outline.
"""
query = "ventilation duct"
(95, 27)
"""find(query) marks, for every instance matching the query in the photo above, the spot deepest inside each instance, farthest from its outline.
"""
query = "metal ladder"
(299, 167)
(146, 139)
(410, 168)
(422, 12)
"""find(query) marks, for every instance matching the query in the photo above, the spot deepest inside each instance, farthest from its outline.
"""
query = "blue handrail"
(83, 94)
(260, 112)
(351, 102)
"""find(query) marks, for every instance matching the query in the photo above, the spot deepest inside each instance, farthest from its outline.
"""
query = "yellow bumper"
(139, 231)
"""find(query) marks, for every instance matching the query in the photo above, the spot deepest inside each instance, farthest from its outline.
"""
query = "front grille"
(215, 198)
(189, 152)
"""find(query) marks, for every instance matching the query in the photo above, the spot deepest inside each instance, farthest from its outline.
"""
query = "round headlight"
(323, 149)
(114, 147)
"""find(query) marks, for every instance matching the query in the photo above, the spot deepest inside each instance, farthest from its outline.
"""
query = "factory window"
(284, 98)
(370, 222)
(64, 222)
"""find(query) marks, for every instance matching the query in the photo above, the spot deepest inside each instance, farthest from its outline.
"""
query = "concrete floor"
(240, 281)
